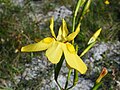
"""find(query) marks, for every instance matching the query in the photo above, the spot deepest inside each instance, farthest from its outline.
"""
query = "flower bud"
(102, 74)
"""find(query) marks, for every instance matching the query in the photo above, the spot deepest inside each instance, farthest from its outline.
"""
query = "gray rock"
(60, 12)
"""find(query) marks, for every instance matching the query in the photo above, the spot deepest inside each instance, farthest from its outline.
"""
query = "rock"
(38, 66)
(60, 12)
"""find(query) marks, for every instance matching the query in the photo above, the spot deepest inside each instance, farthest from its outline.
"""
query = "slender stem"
(73, 27)
(69, 73)
(96, 86)
(75, 77)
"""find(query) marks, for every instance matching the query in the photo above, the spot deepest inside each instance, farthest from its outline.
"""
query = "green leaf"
(87, 49)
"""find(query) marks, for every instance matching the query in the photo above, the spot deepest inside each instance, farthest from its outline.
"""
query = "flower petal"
(63, 31)
(60, 37)
(74, 34)
(54, 53)
(73, 60)
(52, 27)
(95, 36)
(42, 45)
(64, 28)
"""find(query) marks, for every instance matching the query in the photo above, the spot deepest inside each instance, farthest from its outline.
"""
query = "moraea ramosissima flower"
(56, 46)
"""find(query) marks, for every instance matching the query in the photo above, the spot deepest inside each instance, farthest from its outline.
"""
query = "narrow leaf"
(87, 49)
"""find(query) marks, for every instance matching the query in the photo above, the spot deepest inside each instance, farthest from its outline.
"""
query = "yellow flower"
(102, 74)
(56, 46)
(107, 2)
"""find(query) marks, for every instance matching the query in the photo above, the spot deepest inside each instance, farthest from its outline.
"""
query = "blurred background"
(27, 21)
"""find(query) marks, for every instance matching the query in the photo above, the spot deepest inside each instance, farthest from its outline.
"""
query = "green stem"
(69, 73)
(96, 86)
(73, 27)
(75, 14)
(75, 77)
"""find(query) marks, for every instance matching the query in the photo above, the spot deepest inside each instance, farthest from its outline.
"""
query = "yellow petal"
(72, 59)
(42, 45)
(52, 27)
(54, 53)
(60, 37)
(74, 34)
(64, 28)
(63, 32)
(95, 36)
